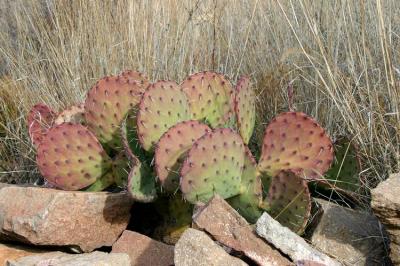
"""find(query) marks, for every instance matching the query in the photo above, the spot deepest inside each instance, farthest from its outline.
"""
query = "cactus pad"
(70, 157)
(213, 166)
(172, 148)
(289, 201)
(250, 198)
(293, 141)
(107, 104)
(40, 119)
(141, 183)
(211, 98)
(163, 105)
(120, 169)
(346, 168)
(74, 114)
(245, 108)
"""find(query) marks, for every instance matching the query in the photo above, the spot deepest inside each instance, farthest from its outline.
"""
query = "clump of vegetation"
(341, 58)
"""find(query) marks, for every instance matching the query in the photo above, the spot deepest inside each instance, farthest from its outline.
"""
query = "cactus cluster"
(189, 138)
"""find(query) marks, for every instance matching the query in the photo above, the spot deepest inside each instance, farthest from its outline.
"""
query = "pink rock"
(220, 220)
(144, 251)
(43, 216)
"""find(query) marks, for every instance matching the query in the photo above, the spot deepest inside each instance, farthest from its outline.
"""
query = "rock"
(352, 237)
(63, 259)
(386, 206)
(143, 250)
(309, 263)
(44, 216)
(219, 219)
(289, 242)
(12, 252)
(196, 248)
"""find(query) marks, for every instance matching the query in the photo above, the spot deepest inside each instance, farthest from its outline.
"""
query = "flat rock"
(12, 252)
(290, 243)
(352, 237)
(197, 248)
(62, 259)
(225, 224)
(43, 216)
(386, 206)
(143, 250)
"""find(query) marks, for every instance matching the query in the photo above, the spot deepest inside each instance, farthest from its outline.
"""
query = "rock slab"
(143, 250)
(197, 248)
(289, 242)
(62, 259)
(12, 252)
(352, 237)
(43, 216)
(220, 220)
(386, 206)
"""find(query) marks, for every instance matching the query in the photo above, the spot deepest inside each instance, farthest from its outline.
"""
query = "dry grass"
(341, 56)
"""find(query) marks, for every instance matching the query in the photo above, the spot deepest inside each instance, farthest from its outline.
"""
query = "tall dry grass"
(342, 58)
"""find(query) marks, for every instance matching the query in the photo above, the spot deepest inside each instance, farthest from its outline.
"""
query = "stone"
(63, 259)
(352, 237)
(224, 223)
(385, 204)
(290, 243)
(12, 252)
(43, 216)
(197, 248)
(143, 250)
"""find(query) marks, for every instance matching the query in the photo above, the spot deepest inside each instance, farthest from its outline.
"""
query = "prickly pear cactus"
(211, 98)
(289, 201)
(213, 166)
(40, 119)
(249, 201)
(74, 114)
(120, 169)
(107, 104)
(163, 105)
(245, 108)
(71, 158)
(293, 141)
(346, 168)
(172, 149)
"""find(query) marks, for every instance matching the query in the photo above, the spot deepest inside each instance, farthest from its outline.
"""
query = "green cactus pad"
(245, 108)
(346, 167)
(102, 183)
(71, 158)
(163, 105)
(141, 183)
(289, 201)
(107, 104)
(73, 114)
(121, 169)
(176, 214)
(293, 141)
(40, 119)
(211, 98)
(213, 166)
(250, 198)
(171, 151)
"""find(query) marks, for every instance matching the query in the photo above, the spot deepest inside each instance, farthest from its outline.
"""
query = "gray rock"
(196, 248)
(62, 259)
(43, 216)
(352, 237)
(289, 242)
(386, 206)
